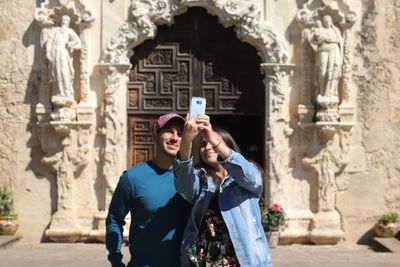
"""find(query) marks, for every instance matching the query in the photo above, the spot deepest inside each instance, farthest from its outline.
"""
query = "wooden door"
(196, 56)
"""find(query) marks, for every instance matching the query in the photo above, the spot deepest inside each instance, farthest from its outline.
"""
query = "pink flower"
(212, 229)
(225, 261)
(275, 207)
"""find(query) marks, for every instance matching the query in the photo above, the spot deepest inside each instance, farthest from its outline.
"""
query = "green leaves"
(388, 218)
(273, 218)
(6, 201)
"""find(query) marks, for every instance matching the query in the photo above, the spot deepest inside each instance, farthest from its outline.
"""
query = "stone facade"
(331, 70)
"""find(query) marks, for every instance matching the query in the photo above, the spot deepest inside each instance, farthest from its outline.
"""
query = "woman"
(224, 228)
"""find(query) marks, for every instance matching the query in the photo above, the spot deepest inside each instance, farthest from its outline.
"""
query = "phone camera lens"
(198, 102)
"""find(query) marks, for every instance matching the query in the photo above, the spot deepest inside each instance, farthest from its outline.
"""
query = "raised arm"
(186, 181)
(244, 172)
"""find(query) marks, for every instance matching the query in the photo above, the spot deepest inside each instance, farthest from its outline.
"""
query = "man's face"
(168, 138)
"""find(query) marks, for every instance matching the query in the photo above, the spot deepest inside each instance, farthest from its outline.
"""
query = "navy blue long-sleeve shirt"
(158, 217)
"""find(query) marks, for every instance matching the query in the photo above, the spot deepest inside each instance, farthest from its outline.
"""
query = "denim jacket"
(239, 196)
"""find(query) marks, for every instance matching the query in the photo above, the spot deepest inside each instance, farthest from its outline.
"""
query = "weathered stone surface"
(90, 139)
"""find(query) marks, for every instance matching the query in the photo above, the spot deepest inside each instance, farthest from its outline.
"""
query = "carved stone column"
(278, 149)
(113, 154)
(277, 127)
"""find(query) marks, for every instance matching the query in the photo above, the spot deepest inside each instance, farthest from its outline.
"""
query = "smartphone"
(197, 104)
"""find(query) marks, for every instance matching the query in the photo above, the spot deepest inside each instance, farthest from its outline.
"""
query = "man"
(158, 213)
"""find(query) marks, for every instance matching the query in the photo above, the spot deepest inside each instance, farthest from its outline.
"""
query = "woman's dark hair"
(228, 139)
(231, 143)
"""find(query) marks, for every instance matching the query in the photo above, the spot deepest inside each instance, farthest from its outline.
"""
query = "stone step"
(386, 244)
(9, 240)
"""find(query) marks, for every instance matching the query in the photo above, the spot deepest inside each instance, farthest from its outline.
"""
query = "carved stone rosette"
(65, 131)
(326, 114)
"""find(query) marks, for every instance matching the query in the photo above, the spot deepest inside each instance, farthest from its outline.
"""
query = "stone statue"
(327, 163)
(328, 39)
(59, 47)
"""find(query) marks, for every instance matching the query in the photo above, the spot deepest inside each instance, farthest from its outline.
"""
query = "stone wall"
(368, 187)
(377, 78)
(18, 142)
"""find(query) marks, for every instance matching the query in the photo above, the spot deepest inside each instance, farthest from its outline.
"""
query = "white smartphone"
(197, 104)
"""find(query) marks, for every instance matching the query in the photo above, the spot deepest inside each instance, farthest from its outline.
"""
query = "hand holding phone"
(197, 105)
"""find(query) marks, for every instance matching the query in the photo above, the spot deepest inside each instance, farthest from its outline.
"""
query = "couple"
(215, 218)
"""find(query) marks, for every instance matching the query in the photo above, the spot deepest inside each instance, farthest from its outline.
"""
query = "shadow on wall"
(31, 41)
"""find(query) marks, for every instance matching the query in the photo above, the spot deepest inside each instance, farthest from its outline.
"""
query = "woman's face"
(207, 153)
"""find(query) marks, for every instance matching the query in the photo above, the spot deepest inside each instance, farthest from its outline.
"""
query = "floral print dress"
(213, 246)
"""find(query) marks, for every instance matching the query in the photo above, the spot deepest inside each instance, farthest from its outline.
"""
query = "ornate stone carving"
(146, 14)
(328, 164)
(69, 152)
(326, 26)
(61, 42)
(277, 123)
(113, 128)
(244, 16)
(327, 84)
(81, 18)
(68, 163)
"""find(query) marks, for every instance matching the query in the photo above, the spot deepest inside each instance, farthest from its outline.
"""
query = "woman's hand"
(206, 131)
(191, 129)
(211, 137)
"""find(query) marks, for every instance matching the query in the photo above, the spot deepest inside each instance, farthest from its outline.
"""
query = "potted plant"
(273, 220)
(8, 221)
(387, 225)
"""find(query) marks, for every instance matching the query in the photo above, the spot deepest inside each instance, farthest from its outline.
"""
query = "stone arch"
(244, 16)
(145, 15)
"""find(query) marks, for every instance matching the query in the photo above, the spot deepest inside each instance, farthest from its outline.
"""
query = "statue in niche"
(328, 40)
(59, 47)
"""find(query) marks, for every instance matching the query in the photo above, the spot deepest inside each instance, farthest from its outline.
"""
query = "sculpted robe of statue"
(59, 46)
(328, 38)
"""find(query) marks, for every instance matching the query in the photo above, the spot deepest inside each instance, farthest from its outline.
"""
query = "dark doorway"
(247, 131)
(196, 56)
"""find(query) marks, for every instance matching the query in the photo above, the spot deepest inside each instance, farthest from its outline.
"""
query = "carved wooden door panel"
(196, 56)
(140, 141)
